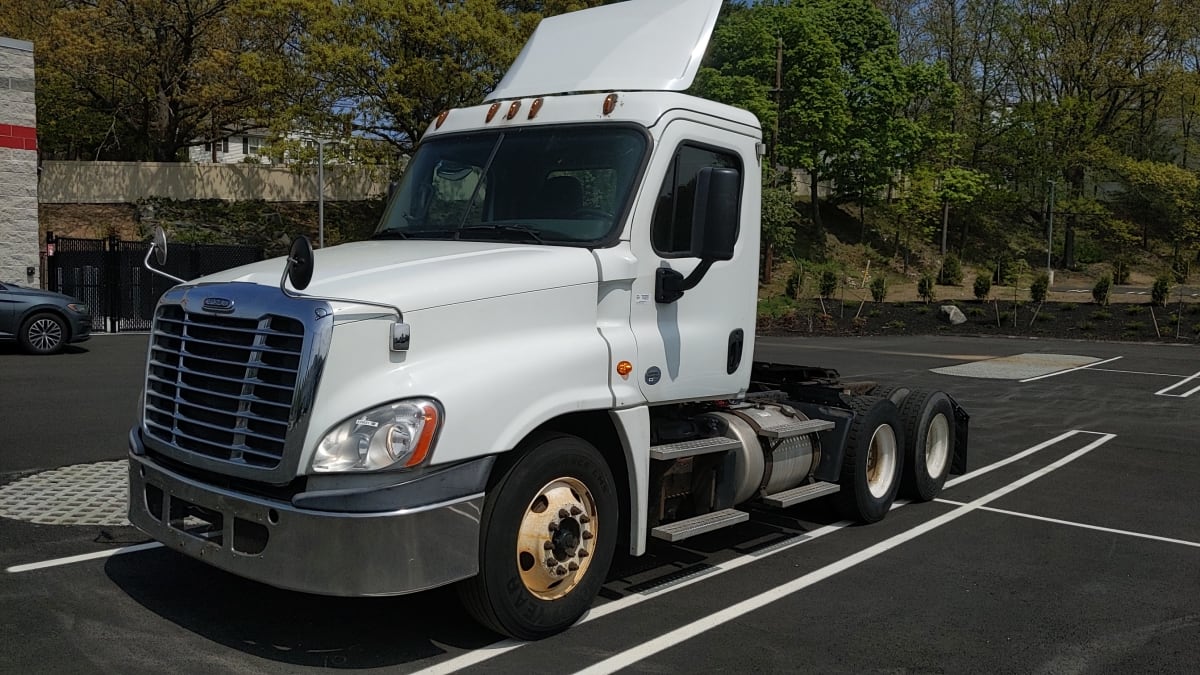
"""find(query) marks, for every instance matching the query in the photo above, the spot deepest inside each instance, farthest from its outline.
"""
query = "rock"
(953, 314)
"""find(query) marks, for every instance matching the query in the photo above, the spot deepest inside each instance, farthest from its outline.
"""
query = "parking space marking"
(695, 628)
(1070, 370)
(29, 567)
(477, 656)
(1133, 372)
(1071, 523)
(1164, 390)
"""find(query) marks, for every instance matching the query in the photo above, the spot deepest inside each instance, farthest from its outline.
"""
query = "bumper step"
(700, 446)
(683, 529)
(800, 494)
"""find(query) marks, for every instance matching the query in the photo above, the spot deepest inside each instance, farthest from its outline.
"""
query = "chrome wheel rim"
(937, 445)
(45, 334)
(557, 539)
(881, 461)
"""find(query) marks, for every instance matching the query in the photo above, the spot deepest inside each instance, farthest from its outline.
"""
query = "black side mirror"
(715, 213)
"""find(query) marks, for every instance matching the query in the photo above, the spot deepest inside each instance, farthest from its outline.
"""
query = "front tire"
(43, 333)
(872, 463)
(547, 535)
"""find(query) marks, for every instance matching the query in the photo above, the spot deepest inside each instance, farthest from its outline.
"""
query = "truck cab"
(543, 353)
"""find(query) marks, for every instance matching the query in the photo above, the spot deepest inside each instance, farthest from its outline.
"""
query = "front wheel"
(547, 537)
(43, 333)
(872, 463)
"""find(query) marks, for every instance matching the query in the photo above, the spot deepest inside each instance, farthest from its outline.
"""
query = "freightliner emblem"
(218, 305)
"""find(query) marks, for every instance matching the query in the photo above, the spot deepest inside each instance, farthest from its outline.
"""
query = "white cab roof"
(653, 45)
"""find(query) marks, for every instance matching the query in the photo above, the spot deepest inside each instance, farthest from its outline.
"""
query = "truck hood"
(420, 274)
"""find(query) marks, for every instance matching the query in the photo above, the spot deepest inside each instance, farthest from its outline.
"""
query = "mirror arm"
(670, 285)
(146, 264)
(401, 333)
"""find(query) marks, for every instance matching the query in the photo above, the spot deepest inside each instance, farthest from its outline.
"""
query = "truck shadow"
(292, 627)
(328, 632)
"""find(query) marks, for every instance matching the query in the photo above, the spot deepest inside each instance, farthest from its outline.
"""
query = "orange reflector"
(492, 111)
(533, 109)
(512, 110)
(624, 368)
(610, 104)
(441, 119)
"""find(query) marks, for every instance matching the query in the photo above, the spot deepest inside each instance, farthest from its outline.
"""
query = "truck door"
(699, 346)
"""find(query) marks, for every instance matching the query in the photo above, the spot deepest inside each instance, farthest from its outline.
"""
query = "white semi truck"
(542, 354)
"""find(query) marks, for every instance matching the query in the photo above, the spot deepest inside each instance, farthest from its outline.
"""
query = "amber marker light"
(624, 368)
(492, 111)
(512, 110)
(610, 104)
(441, 119)
(535, 107)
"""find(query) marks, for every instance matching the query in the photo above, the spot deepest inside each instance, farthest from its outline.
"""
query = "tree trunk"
(814, 177)
(945, 224)
(1074, 176)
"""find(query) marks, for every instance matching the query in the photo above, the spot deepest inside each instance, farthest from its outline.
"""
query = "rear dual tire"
(873, 460)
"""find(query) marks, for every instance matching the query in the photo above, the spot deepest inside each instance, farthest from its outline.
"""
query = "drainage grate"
(83, 494)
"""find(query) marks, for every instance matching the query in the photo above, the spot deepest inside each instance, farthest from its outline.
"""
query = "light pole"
(320, 193)
(1050, 234)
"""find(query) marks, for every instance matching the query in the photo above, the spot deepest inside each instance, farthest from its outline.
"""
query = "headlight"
(398, 435)
(77, 307)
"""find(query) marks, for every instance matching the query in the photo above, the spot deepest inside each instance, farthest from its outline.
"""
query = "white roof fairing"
(649, 45)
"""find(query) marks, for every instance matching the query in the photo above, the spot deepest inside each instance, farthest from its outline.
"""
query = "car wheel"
(43, 333)
(929, 439)
(873, 460)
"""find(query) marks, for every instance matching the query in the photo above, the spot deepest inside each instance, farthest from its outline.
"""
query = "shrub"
(872, 313)
(1045, 317)
(975, 311)
(1135, 326)
(794, 283)
(1181, 270)
(1121, 270)
(859, 323)
(1102, 290)
(828, 283)
(1160, 290)
(1196, 328)
(922, 310)
(1039, 287)
(1133, 310)
(951, 273)
(879, 288)
(1067, 307)
(899, 325)
(1005, 317)
(776, 307)
(925, 288)
(983, 286)
(1102, 315)
(1086, 326)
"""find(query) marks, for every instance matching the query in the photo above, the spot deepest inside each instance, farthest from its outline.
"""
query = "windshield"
(562, 185)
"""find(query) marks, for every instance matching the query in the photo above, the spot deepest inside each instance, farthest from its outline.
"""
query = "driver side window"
(671, 226)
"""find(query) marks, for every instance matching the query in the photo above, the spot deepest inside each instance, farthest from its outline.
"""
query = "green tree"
(778, 225)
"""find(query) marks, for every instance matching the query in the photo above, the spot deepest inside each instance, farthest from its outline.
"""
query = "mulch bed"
(1064, 320)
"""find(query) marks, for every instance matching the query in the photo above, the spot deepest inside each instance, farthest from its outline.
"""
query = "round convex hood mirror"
(159, 242)
(300, 263)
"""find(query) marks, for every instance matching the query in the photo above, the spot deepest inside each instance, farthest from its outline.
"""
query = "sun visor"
(651, 45)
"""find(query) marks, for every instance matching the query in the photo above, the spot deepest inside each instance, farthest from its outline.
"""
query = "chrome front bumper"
(324, 552)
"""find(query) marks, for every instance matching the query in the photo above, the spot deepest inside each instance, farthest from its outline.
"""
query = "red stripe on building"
(18, 137)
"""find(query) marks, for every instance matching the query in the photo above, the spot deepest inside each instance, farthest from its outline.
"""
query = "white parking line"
(16, 569)
(477, 656)
(1133, 372)
(1071, 523)
(1163, 391)
(695, 628)
(1070, 370)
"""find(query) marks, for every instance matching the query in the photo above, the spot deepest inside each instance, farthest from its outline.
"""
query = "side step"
(700, 446)
(682, 529)
(796, 428)
(800, 494)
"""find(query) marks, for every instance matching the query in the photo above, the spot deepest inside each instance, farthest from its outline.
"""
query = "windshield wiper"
(521, 230)
(411, 234)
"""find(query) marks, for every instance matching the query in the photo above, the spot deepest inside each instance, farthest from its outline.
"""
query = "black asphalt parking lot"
(1072, 546)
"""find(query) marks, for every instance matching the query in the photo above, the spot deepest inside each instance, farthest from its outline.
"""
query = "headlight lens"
(398, 435)
(77, 307)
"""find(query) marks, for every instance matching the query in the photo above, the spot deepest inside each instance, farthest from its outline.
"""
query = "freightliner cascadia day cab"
(543, 354)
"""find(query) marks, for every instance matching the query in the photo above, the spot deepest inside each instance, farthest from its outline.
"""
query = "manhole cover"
(83, 494)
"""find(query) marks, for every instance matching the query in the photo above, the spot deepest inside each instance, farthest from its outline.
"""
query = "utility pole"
(320, 193)
(1050, 233)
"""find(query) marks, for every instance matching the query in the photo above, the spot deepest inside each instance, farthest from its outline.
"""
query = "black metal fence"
(108, 275)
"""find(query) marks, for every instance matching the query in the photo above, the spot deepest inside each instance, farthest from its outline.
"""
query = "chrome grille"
(223, 386)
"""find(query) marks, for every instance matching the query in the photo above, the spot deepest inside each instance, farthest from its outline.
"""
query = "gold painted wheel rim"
(557, 538)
